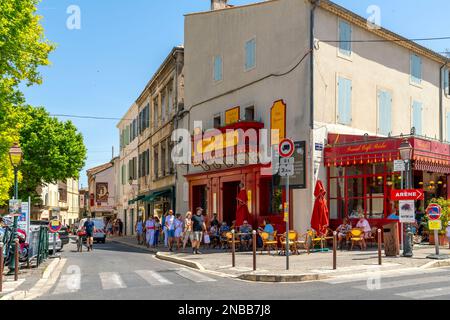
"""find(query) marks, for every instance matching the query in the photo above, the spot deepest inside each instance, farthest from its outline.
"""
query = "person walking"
(170, 226)
(150, 228)
(178, 230)
(198, 226)
(139, 231)
(163, 223)
(120, 224)
(157, 231)
(187, 232)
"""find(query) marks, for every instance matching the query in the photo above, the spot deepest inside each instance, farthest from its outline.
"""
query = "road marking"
(68, 283)
(406, 283)
(383, 274)
(111, 280)
(44, 285)
(10, 286)
(426, 293)
(153, 277)
(194, 276)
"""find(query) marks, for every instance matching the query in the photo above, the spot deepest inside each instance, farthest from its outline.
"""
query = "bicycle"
(81, 235)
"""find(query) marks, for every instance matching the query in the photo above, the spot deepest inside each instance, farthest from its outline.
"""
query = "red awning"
(347, 150)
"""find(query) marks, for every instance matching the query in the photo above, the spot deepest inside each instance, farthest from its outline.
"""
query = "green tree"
(53, 150)
(23, 48)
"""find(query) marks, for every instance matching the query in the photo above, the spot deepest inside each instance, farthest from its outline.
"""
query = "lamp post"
(405, 150)
(15, 156)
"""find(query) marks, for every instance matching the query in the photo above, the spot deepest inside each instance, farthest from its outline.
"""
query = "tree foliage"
(23, 48)
(53, 150)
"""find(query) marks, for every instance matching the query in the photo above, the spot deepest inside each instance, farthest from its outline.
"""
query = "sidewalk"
(303, 267)
(26, 280)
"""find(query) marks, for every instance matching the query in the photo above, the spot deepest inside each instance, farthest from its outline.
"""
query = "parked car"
(100, 232)
(59, 243)
(64, 235)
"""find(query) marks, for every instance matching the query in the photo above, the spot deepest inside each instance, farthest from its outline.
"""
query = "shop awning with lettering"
(348, 150)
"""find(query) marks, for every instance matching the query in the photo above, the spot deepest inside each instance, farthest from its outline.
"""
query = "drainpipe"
(441, 96)
(315, 3)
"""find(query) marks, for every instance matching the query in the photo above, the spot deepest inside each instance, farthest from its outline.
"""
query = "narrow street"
(113, 271)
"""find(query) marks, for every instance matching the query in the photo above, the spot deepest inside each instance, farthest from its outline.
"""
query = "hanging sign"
(408, 194)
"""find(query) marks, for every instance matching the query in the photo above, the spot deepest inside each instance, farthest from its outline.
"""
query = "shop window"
(271, 196)
(357, 170)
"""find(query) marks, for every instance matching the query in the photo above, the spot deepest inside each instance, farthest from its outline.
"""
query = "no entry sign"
(408, 194)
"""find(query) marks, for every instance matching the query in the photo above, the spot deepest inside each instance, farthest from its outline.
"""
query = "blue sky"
(100, 69)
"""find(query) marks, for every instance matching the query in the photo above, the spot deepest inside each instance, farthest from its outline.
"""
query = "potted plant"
(445, 205)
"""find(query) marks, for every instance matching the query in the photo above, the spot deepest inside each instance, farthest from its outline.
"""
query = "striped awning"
(432, 167)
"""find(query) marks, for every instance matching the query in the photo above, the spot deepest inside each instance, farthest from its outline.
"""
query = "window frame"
(342, 53)
(412, 77)
(214, 68)
(251, 40)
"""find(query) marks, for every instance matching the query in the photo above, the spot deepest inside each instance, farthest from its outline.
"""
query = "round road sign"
(54, 226)
(434, 212)
(286, 148)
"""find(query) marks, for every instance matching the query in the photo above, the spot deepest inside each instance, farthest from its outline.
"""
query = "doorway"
(200, 198)
(229, 202)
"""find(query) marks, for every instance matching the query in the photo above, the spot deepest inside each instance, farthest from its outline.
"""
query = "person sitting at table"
(214, 236)
(343, 230)
(268, 228)
(364, 225)
(246, 234)
(224, 228)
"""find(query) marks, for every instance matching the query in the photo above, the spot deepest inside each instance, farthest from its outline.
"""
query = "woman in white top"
(188, 233)
(150, 231)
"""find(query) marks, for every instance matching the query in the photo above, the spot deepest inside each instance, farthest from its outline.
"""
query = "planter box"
(443, 240)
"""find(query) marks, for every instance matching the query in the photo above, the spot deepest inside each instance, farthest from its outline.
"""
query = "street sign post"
(407, 194)
(54, 226)
(286, 169)
(434, 223)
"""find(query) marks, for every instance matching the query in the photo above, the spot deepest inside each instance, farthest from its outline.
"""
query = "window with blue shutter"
(250, 54)
(384, 112)
(417, 117)
(217, 68)
(448, 126)
(344, 101)
(416, 69)
(345, 37)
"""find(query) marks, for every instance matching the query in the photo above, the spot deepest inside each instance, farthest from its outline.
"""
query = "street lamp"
(406, 150)
(15, 156)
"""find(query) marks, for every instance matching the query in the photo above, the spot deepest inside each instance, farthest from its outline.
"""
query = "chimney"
(218, 4)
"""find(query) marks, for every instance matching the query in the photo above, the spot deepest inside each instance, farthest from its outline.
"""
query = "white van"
(99, 234)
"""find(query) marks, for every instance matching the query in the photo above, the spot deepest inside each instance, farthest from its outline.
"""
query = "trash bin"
(391, 240)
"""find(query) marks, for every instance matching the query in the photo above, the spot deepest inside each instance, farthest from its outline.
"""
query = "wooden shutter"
(344, 101)
(384, 112)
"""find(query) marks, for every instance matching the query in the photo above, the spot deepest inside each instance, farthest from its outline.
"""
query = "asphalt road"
(113, 271)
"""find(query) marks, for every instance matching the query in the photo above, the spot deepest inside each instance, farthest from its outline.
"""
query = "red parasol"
(242, 212)
(319, 219)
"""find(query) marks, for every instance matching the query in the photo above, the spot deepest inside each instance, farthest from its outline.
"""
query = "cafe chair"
(357, 238)
(293, 237)
(267, 243)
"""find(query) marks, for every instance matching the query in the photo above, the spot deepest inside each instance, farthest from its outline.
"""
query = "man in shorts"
(89, 227)
(170, 227)
(198, 226)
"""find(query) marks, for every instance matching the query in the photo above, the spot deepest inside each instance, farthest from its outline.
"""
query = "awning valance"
(136, 199)
(154, 195)
(348, 150)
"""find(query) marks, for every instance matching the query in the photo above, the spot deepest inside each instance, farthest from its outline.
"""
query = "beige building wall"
(126, 191)
(373, 66)
(280, 30)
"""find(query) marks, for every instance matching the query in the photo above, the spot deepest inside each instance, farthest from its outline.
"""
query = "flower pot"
(443, 240)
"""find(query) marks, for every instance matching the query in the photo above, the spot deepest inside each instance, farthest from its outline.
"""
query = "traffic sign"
(54, 226)
(286, 148)
(434, 225)
(286, 167)
(399, 165)
(408, 194)
(434, 212)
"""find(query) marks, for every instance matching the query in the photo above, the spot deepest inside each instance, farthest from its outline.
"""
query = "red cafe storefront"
(216, 187)
(360, 175)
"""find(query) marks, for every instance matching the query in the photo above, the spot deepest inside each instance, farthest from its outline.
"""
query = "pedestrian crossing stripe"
(194, 276)
(153, 277)
(406, 283)
(111, 280)
(426, 293)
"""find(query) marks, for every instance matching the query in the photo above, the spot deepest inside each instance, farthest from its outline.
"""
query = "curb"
(282, 278)
(187, 263)
(436, 264)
